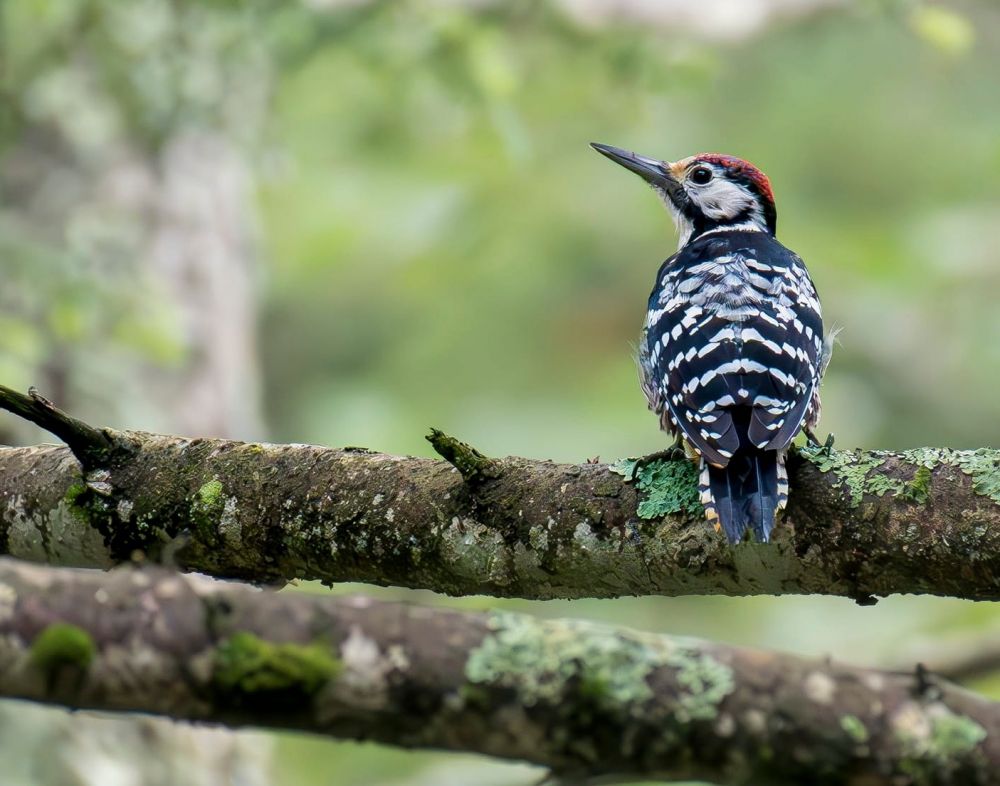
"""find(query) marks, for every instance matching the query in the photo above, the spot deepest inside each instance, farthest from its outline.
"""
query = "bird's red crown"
(741, 169)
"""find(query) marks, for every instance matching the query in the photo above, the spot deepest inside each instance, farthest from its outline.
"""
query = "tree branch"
(474, 467)
(89, 445)
(962, 657)
(577, 697)
(859, 523)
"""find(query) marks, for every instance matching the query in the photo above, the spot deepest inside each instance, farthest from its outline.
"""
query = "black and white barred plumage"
(731, 353)
(732, 350)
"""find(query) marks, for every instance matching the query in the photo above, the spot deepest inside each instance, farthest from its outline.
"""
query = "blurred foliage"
(433, 213)
(444, 249)
(91, 91)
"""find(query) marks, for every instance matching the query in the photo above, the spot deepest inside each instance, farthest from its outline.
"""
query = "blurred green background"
(341, 222)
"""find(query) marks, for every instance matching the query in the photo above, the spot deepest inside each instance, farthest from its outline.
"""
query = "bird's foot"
(826, 447)
(674, 452)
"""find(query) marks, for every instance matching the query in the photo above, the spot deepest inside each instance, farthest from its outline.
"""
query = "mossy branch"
(579, 698)
(472, 465)
(90, 445)
(862, 524)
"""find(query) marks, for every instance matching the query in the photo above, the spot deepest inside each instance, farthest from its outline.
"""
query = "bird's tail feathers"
(745, 494)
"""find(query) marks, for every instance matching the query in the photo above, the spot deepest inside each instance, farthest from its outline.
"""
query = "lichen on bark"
(859, 470)
(666, 487)
(934, 739)
(565, 662)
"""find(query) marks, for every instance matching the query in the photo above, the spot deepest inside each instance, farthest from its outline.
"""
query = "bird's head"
(705, 192)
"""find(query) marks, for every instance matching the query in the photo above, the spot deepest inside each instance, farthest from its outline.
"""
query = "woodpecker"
(732, 349)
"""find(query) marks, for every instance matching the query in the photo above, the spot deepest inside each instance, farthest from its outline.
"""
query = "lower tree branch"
(962, 657)
(580, 698)
(859, 523)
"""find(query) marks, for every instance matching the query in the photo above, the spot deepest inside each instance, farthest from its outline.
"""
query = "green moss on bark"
(207, 507)
(470, 463)
(854, 728)
(250, 671)
(79, 503)
(74, 492)
(918, 490)
(209, 497)
(62, 645)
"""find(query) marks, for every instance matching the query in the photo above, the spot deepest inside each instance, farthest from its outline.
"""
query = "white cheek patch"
(721, 200)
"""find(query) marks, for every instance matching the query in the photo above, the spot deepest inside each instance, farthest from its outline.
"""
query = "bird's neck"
(688, 231)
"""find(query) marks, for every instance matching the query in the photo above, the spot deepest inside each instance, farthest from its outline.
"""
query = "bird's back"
(730, 356)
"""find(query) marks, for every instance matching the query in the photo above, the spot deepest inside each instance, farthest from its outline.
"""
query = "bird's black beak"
(656, 173)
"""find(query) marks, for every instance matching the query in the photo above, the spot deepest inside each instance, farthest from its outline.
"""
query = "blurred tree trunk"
(198, 257)
(128, 209)
(201, 257)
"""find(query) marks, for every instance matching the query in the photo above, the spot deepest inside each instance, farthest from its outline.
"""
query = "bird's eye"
(701, 175)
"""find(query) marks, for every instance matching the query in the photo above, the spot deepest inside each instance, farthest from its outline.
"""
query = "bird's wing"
(686, 345)
(735, 328)
(793, 356)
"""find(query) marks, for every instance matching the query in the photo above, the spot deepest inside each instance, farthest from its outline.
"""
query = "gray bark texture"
(580, 698)
(859, 523)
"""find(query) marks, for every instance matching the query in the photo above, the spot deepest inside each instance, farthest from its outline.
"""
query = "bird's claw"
(826, 446)
(674, 452)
